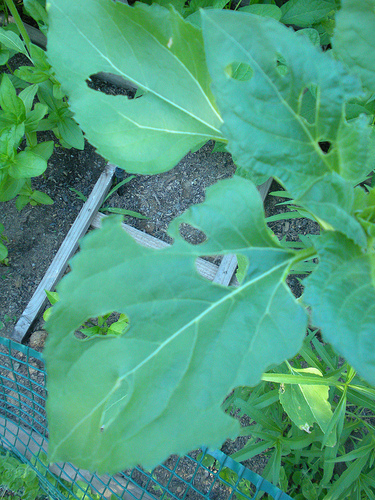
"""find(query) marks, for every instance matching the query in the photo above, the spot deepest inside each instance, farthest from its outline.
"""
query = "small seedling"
(113, 210)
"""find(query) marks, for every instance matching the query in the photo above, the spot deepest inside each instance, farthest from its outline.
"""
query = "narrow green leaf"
(158, 52)
(124, 211)
(347, 315)
(361, 451)
(361, 400)
(252, 449)
(263, 419)
(118, 185)
(335, 425)
(322, 351)
(353, 40)
(268, 109)
(281, 378)
(176, 325)
(346, 480)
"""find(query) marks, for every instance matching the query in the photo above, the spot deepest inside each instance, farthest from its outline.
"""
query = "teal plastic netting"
(200, 475)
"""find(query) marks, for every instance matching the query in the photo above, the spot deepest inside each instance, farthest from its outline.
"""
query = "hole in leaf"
(191, 234)
(324, 146)
(110, 325)
(111, 84)
(239, 71)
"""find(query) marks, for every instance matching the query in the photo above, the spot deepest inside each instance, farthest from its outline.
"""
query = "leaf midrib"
(148, 88)
(196, 320)
(242, 49)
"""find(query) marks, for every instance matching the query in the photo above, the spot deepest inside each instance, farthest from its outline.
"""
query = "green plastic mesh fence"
(201, 475)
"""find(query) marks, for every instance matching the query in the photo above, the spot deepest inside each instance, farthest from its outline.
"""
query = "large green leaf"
(262, 113)
(305, 13)
(306, 404)
(27, 164)
(115, 402)
(158, 52)
(342, 295)
(353, 40)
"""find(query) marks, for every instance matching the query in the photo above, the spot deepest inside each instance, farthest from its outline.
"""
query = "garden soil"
(36, 233)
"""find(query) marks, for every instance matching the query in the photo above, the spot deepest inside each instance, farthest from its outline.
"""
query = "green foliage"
(353, 43)
(70, 491)
(308, 460)
(274, 97)
(6, 319)
(3, 248)
(17, 480)
(135, 133)
(193, 311)
(113, 210)
(21, 117)
(104, 325)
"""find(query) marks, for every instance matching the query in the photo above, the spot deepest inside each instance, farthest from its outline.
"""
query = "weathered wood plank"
(228, 266)
(205, 268)
(223, 274)
(67, 249)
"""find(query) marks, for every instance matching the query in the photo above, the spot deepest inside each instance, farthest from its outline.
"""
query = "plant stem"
(19, 23)
(305, 254)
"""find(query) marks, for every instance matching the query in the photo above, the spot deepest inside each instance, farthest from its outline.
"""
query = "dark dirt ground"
(36, 233)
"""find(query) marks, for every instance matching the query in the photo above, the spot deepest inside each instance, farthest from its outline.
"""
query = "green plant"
(113, 210)
(273, 97)
(21, 118)
(7, 319)
(313, 418)
(79, 489)
(17, 480)
(3, 248)
(103, 325)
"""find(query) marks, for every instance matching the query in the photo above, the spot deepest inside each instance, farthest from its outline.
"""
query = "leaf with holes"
(156, 50)
(115, 401)
(263, 106)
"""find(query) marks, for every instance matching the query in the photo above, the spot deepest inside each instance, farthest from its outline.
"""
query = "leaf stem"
(19, 23)
(305, 254)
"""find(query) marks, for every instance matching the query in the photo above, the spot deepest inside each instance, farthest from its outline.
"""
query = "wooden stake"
(67, 249)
